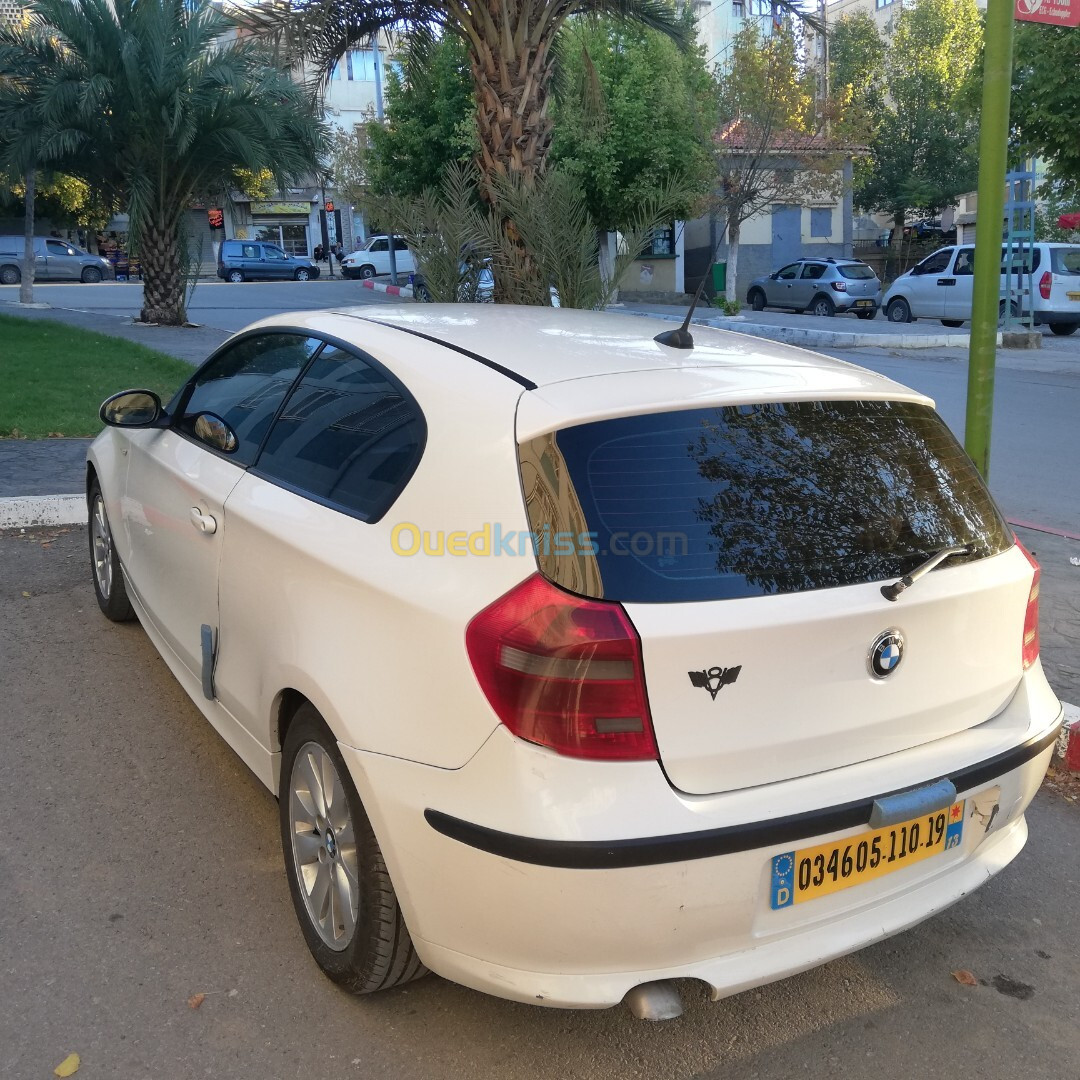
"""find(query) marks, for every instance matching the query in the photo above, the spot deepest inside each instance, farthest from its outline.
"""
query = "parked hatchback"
(580, 663)
(940, 287)
(373, 257)
(255, 260)
(820, 287)
(54, 260)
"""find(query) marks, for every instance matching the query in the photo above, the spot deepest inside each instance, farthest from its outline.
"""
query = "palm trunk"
(26, 282)
(734, 229)
(163, 278)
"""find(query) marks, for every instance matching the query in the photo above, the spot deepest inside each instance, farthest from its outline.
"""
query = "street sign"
(330, 205)
(1053, 12)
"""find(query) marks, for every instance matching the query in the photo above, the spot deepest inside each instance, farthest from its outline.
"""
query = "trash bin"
(719, 277)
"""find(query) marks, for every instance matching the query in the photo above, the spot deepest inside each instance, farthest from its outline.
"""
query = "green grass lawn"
(53, 378)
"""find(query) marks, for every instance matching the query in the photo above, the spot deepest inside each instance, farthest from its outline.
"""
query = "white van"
(54, 260)
(940, 287)
(374, 258)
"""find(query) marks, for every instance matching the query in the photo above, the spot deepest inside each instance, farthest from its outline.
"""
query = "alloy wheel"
(102, 541)
(324, 846)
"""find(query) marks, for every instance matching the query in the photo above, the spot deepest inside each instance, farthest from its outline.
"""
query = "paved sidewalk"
(42, 466)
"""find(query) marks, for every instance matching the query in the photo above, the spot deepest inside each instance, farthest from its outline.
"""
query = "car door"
(252, 262)
(402, 256)
(805, 286)
(928, 282)
(42, 270)
(378, 254)
(179, 477)
(960, 280)
(61, 261)
(277, 262)
(778, 288)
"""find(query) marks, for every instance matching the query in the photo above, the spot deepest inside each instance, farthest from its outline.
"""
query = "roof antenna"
(680, 337)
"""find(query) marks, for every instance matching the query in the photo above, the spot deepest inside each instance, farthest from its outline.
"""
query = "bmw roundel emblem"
(885, 654)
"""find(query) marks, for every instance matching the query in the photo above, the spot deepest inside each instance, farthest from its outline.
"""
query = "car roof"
(541, 346)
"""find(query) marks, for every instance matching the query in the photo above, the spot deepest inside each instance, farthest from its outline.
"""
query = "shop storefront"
(283, 223)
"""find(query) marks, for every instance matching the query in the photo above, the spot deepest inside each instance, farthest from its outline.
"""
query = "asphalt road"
(140, 865)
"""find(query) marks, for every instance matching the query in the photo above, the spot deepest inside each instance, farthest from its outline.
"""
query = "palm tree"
(158, 102)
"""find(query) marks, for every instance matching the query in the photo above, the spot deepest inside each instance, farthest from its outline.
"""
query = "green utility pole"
(993, 155)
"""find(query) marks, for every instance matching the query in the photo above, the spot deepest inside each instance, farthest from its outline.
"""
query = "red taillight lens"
(1044, 284)
(1030, 647)
(563, 672)
(839, 286)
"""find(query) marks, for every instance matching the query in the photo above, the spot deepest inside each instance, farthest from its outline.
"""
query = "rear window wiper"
(893, 591)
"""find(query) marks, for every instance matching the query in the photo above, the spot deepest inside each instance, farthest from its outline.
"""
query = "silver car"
(820, 287)
(54, 260)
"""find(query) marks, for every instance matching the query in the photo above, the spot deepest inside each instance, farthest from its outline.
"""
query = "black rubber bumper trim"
(682, 847)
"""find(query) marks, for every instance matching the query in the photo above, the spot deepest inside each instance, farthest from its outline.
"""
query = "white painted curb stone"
(24, 511)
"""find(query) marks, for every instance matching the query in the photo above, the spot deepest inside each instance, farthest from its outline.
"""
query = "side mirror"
(131, 408)
(213, 431)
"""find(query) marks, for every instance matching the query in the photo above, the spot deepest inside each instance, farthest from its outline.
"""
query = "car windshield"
(856, 271)
(1066, 260)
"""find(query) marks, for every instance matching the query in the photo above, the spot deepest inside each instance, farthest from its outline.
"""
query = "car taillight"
(839, 286)
(1044, 284)
(563, 672)
(1030, 647)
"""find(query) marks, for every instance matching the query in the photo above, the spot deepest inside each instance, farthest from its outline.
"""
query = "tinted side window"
(57, 248)
(379, 245)
(813, 271)
(936, 263)
(400, 243)
(789, 272)
(245, 384)
(272, 252)
(347, 435)
(1022, 255)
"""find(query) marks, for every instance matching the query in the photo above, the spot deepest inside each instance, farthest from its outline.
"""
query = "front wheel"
(823, 307)
(1063, 329)
(757, 299)
(367, 271)
(302, 275)
(898, 311)
(91, 275)
(104, 563)
(341, 891)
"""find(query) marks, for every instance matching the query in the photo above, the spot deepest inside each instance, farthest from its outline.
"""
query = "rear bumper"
(851, 304)
(1057, 318)
(566, 883)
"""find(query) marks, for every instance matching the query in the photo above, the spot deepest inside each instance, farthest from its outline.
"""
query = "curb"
(1068, 744)
(26, 511)
(393, 290)
(837, 339)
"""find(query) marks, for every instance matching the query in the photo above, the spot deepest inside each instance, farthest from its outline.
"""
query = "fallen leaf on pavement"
(965, 978)
(69, 1066)
(25, 593)
(196, 1000)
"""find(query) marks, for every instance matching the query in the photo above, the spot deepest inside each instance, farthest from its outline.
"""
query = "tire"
(367, 271)
(10, 275)
(420, 292)
(302, 275)
(1014, 311)
(1063, 329)
(235, 276)
(823, 307)
(866, 316)
(898, 311)
(954, 323)
(91, 275)
(105, 569)
(756, 299)
(376, 952)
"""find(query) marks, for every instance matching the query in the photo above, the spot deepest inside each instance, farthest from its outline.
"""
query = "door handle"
(206, 523)
(946, 281)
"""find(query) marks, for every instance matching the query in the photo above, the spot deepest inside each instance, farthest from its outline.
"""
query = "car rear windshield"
(856, 271)
(738, 501)
(1066, 260)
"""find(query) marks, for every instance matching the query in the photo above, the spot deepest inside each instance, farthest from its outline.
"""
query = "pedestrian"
(318, 253)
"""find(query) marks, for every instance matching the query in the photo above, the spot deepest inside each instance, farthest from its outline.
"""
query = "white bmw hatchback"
(581, 663)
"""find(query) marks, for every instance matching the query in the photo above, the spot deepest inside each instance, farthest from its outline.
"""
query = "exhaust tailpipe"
(654, 1001)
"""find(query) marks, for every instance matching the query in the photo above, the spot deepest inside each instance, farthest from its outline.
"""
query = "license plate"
(1073, 295)
(806, 874)
(864, 303)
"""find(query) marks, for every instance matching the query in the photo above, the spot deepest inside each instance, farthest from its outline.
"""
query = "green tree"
(923, 153)
(428, 123)
(632, 112)
(151, 101)
(767, 148)
(1046, 100)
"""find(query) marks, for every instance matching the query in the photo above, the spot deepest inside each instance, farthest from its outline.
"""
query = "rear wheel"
(898, 311)
(236, 276)
(952, 322)
(10, 275)
(341, 891)
(91, 275)
(1063, 329)
(1014, 311)
(757, 299)
(104, 563)
(367, 271)
(823, 307)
